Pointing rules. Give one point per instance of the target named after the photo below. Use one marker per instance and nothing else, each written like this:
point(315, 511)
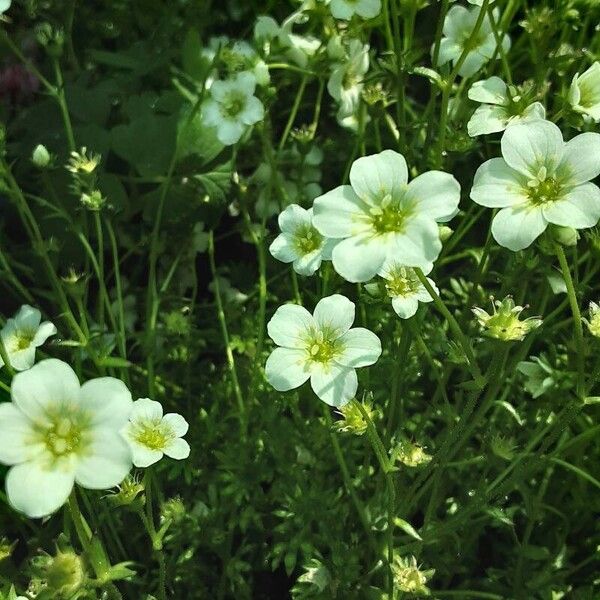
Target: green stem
point(225, 334)
point(62, 104)
point(578, 325)
point(360, 509)
point(5, 359)
point(386, 468)
point(293, 112)
point(454, 326)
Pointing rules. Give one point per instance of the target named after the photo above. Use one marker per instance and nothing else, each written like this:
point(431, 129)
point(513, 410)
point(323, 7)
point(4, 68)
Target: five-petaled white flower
point(405, 289)
point(345, 9)
point(56, 432)
point(540, 180)
point(501, 107)
point(150, 434)
point(233, 107)
point(584, 94)
point(299, 242)
point(458, 27)
point(22, 334)
point(382, 218)
point(321, 347)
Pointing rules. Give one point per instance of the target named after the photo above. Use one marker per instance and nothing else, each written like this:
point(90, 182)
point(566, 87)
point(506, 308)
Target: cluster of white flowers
point(56, 432)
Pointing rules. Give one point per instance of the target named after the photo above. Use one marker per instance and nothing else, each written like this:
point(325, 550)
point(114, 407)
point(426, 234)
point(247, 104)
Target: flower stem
point(224, 332)
point(453, 324)
point(386, 467)
point(360, 509)
point(578, 326)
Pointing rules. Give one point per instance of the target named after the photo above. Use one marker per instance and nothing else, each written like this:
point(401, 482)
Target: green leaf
point(535, 552)
point(407, 528)
point(195, 139)
point(148, 143)
point(216, 183)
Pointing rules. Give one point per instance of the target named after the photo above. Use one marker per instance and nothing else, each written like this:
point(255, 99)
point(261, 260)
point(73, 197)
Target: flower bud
point(408, 577)
point(128, 493)
point(566, 236)
point(504, 324)
point(354, 421)
point(594, 321)
point(173, 510)
point(64, 573)
point(410, 454)
point(40, 156)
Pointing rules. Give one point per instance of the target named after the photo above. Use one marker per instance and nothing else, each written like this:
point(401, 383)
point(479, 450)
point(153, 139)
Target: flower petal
point(141, 455)
point(283, 248)
point(335, 314)
point(339, 213)
point(529, 145)
point(108, 399)
point(45, 330)
point(579, 208)
point(405, 306)
point(177, 423)
point(368, 9)
point(581, 159)
point(497, 185)
point(17, 435)
point(334, 384)
point(418, 245)
point(28, 318)
point(489, 91)
point(22, 359)
point(308, 263)
point(449, 50)
point(144, 409)
point(49, 383)
point(436, 194)
point(289, 325)
point(36, 490)
point(106, 462)
point(361, 348)
point(253, 112)
point(229, 132)
point(373, 177)
point(358, 258)
point(178, 449)
point(287, 369)
point(488, 119)
point(516, 227)
point(293, 217)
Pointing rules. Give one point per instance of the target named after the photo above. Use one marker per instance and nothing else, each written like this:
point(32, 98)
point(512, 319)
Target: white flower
point(501, 107)
point(381, 218)
point(4, 5)
point(584, 94)
point(56, 432)
point(458, 26)
point(233, 107)
point(299, 242)
point(540, 180)
point(346, 82)
point(150, 434)
point(405, 289)
point(297, 48)
point(345, 9)
point(321, 347)
point(22, 335)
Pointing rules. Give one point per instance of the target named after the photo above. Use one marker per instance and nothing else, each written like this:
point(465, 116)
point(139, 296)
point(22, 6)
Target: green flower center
point(389, 216)
point(543, 192)
point(23, 340)
point(153, 435)
point(233, 104)
point(402, 282)
point(307, 239)
point(323, 347)
point(64, 436)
